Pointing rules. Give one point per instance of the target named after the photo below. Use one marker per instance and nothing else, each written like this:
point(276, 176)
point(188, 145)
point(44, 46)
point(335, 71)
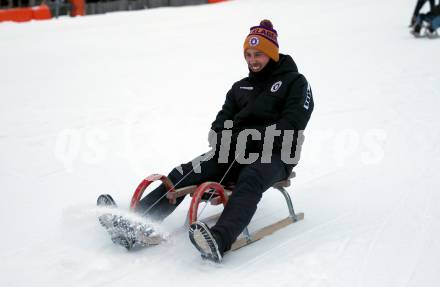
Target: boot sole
point(202, 239)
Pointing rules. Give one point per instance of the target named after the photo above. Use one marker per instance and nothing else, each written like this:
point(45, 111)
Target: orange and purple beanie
point(263, 38)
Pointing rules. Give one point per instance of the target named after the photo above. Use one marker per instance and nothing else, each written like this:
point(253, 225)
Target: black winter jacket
point(277, 95)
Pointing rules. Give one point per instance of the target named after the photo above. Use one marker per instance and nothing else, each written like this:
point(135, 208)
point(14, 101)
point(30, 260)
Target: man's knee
point(180, 173)
point(250, 181)
point(175, 175)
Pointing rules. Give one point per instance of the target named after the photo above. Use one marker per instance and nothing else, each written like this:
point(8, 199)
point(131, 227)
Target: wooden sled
point(216, 194)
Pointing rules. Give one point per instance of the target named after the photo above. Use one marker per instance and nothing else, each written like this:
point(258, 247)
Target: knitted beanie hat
point(263, 38)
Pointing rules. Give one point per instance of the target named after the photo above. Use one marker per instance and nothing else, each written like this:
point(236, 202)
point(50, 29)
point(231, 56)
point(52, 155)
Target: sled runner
point(217, 194)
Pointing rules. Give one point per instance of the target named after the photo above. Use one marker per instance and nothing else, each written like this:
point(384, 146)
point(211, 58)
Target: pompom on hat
point(263, 38)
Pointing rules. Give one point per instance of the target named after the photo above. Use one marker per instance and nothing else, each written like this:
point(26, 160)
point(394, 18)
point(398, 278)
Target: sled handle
point(145, 183)
point(197, 196)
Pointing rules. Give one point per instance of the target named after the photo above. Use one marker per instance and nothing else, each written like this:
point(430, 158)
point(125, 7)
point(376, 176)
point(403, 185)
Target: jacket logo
point(247, 88)
point(308, 97)
point(276, 86)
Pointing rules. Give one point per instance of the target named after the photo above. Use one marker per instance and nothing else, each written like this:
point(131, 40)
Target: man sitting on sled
point(272, 106)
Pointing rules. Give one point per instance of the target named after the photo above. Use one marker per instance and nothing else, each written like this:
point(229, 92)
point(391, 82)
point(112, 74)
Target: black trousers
point(251, 180)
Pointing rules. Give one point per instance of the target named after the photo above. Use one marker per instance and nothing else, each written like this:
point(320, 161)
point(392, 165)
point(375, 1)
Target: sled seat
point(279, 184)
point(229, 187)
point(212, 195)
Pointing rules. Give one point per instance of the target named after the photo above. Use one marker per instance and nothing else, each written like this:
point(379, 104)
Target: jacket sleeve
point(228, 111)
point(298, 106)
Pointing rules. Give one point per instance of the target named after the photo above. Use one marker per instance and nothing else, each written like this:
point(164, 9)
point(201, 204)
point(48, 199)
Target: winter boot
point(105, 200)
point(128, 233)
point(416, 30)
point(208, 244)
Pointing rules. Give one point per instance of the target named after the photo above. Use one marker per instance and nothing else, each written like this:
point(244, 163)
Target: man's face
point(256, 60)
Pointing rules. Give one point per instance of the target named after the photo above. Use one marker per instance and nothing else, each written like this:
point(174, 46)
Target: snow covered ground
point(92, 105)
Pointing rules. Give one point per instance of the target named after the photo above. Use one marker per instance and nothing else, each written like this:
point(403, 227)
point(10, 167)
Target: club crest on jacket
point(275, 87)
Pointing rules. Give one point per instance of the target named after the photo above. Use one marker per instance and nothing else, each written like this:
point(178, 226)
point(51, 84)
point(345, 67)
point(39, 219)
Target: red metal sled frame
point(218, 194)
